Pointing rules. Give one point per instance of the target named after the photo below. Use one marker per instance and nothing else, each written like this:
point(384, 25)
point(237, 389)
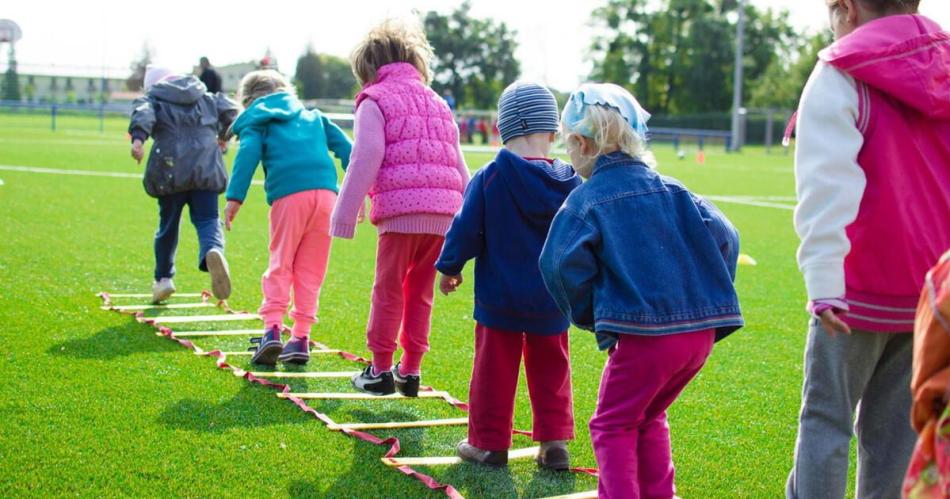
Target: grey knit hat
point(525, 108)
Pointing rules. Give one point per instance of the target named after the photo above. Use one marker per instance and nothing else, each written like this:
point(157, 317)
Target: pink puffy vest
point(419, 174)
point(902, 66)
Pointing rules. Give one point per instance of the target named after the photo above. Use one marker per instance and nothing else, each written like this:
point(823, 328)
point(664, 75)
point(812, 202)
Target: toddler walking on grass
point(300, 181)
point(505, 217)
point(408, 160)
point(188, 126)
point(648, 267)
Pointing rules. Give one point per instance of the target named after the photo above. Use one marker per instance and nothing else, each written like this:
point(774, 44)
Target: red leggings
point(495, 382)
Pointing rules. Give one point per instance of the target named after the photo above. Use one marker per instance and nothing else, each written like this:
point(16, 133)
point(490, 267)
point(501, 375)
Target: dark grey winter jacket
point(185, 122)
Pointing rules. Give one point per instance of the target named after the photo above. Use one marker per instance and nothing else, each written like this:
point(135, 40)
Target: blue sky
point(71, 37)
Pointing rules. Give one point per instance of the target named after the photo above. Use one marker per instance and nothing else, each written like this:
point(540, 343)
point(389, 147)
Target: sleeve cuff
point(824, 280)
point(817, 307)
point(343, 230)
point(139, 135)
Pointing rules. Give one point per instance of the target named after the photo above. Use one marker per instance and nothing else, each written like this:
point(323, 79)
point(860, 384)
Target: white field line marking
point(81, 173)
point(750, 202)
point(1, 181)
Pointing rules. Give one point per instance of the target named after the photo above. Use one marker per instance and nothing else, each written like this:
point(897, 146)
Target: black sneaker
point(268, 347)
point(381, 384)
point(407, 385)
point(296, 351)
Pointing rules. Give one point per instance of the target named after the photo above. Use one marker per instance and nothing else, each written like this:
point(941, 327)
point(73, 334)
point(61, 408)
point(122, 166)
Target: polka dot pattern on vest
point(419, 174)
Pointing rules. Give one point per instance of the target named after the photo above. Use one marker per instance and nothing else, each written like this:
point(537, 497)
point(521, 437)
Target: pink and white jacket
point(872, 169)
point(406, 157)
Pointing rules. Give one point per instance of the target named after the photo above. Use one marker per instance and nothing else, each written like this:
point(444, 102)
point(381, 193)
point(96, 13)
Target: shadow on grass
point(249, 408)
point(114, 342)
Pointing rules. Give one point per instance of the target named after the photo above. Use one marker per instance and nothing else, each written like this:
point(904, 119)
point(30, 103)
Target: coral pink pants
point(402, 295)
point(299, 251)
point(495, 382)
point(629, 432)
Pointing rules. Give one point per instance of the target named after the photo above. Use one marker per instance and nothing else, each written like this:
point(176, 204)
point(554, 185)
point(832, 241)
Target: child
point(648, 266)
point(516, 194)
point(184, 168)
point(408, 159)
point(873, 199)
point(929, 472)
point(300, 181)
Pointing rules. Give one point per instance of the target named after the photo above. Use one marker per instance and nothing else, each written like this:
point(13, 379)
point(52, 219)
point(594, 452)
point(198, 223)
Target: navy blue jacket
point(505, 217)
point(634, 252)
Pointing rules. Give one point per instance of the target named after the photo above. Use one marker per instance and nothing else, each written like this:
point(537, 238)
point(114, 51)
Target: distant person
point(449, 99)
point(873, 184)
point(185, 167)
point(519, 192)
point(293, 144)
point(415, 174)
point(210, 76)
point(648, 267)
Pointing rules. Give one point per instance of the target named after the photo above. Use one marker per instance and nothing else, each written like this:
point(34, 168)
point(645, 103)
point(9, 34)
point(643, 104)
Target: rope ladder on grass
point(355, 430)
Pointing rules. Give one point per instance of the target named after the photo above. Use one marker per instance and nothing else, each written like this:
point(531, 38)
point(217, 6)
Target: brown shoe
point(472, 454)
point(553, 455)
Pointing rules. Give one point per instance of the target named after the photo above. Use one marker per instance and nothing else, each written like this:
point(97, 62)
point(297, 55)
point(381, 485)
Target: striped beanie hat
point(525, 108)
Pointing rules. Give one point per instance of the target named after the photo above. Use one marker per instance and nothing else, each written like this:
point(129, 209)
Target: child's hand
point(833, 324)
point(138, 152)
point(361, 216)
point(449, 283)
point(231, 211)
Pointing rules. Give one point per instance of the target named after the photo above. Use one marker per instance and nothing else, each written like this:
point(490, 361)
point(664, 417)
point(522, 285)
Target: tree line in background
point(676, 56)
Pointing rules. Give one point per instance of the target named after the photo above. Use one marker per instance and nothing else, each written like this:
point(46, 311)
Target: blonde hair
point(257, 84)
point(392, 41)
point(611, 132)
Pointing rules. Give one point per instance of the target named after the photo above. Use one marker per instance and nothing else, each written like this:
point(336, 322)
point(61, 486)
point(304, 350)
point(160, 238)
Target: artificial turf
point(94, 404)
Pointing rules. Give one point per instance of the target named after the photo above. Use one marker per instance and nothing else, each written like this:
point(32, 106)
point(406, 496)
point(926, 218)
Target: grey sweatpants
point(873, 369)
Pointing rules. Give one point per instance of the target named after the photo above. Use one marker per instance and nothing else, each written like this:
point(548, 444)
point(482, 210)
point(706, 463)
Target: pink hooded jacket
point(901, 66)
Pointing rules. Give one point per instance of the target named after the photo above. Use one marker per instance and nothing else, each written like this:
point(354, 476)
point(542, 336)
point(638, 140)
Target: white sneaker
point(162, 289)
point(220, 275)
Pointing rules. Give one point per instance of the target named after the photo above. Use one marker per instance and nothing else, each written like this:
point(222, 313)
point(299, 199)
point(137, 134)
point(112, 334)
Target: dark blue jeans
point(203, 210)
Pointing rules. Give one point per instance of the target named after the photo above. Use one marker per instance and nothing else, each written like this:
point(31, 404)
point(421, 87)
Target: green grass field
point(94, 404)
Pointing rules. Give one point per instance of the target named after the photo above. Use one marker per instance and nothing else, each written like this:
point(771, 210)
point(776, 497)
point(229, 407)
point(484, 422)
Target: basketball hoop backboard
point(10, 32)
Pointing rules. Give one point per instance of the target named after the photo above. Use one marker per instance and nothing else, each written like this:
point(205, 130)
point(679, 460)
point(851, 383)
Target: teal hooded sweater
point(292, 142)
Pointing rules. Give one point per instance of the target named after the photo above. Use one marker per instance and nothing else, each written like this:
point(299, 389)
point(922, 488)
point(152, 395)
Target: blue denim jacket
point(634, 252)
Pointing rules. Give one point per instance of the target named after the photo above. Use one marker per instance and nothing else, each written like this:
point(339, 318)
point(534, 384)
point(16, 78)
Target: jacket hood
point(181, 90)
point(280, 106)
point(906, 57)
point(537, 187)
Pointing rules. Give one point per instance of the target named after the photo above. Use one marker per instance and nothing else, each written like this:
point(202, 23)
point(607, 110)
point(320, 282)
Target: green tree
point(136, 81)
point(782, 83)
point(677, 56)
point(339, 80)
point(309, 76)
point(474, 58)
point(11, 80)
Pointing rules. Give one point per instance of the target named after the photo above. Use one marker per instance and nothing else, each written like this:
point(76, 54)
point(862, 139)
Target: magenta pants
point(299, 252)
point(495, 382)
point(629, 431)
point(401, 307)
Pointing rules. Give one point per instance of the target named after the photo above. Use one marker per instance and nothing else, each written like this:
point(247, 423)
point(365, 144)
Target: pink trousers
point(494, 385)
point(402, 296)
point(629, 431)
point(299, 251)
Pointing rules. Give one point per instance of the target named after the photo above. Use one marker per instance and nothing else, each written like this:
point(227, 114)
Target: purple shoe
point(268, 347)
point(296, 351)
